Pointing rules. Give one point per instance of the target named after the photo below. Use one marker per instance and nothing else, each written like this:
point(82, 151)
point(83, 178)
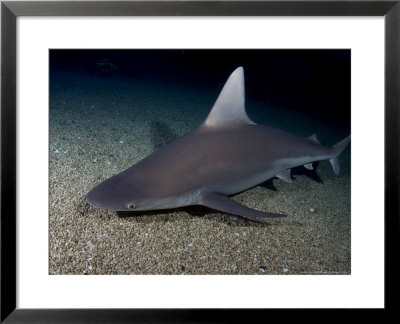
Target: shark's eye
point(132, 206)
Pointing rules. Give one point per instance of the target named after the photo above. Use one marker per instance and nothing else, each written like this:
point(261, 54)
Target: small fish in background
point(228, 153)
point(106, 65)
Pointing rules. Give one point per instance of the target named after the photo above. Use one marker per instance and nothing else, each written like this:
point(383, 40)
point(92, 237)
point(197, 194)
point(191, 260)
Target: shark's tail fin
point(337, 150)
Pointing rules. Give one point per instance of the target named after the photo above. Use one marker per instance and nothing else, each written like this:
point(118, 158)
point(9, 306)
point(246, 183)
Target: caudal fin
point(337, 150)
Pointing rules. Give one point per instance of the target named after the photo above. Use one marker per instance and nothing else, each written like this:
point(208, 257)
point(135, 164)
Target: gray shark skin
point(227, 154)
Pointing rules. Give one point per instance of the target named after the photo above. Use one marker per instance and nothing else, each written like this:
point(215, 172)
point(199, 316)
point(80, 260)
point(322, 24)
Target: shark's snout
point(113, 194)
point(100, 198)
point(93, 199)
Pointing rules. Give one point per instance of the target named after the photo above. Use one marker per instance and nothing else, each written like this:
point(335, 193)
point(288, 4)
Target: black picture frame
point(10, 10)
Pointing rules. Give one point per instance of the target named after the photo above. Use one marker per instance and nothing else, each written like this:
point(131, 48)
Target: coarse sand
point(103, 124)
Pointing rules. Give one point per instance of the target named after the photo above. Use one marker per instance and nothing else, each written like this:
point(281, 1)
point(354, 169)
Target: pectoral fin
point(227, 205)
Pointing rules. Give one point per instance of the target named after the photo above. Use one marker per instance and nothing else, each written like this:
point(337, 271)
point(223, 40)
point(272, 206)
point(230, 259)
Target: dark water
point(297, 90)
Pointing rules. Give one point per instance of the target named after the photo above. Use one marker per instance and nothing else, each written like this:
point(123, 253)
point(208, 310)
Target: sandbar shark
point(228, 153)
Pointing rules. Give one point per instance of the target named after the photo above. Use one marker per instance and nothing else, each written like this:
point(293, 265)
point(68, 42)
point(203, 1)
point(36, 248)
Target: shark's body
point(226, 154)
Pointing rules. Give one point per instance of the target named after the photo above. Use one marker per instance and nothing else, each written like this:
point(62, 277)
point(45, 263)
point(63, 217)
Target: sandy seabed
point(100, 129)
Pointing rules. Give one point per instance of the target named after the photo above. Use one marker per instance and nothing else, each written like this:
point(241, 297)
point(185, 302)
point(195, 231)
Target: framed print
point(152, 149)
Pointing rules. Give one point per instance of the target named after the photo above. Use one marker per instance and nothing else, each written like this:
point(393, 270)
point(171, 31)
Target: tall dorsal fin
point(229, 108)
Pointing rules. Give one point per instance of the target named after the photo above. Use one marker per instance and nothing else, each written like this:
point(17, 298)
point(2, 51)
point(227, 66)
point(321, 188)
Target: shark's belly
point(231, 179)
point(238, 185)
point(234, 168)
